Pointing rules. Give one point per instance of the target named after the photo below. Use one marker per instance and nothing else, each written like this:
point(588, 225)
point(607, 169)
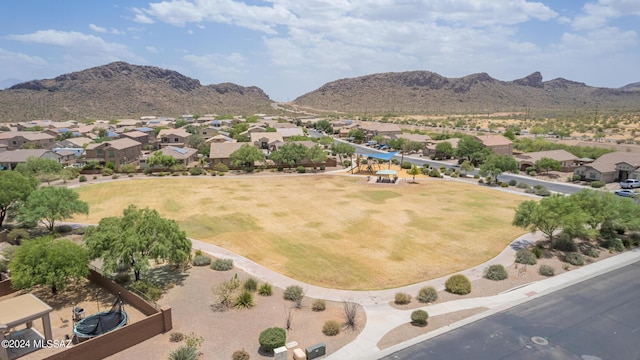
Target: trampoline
point(102, 322)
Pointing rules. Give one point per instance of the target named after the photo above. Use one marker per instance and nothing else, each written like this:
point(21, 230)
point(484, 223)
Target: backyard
point(332, 231)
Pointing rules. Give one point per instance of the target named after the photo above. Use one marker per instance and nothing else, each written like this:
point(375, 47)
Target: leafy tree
point(414, 171)
point(357, 135)
point(247, 155)
point(197, 141)
point(551, 214)
point(509, 134)
point(379, 139)
point(49, 262)
point(180, 123)
point(136, 237)
point(102, 132)
point(325, 140)
point(270, 129)
point(444, 149)
point(191, 129)
point(471, 149)
point(325, 126)
point(44, 169)
point(547, 164)
point(466, 166)
point(495, 165)
point(606, 210)
point(158, 159)
point(316, 155)
point(15, 188)
point(289, 153)
point(237, 129)
point(404, 145)
point(341, 149)
point(50, 204)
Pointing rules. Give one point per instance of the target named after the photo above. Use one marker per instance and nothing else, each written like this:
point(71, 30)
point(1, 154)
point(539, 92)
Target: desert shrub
point(4, 266)
point(225, 293)
point(240, 355)
point(196, 171)
point(513, 182)
point(94, 177)
point(201, 260)
point(331, 328)
point(575, 177)
point(106, 172)
point(592, 252)
point(250, 284)
point(455, 174)
point(244, 300)
point(293, 293)
point(419, 317)
point(542, 192)
point(82, 178)
point(481, 181)
point(522, 186)
point(504, 185)
point(122, 278)
point(597, 184)
point(406, 165)
point(346, 163)
point(18, 234)
point(496, 272)
point(532, 173)
point(184, 352)
point(434, 173)
point(272, 338)
point(427, 294)
point(537, 251)
point(318, 305)
point(564, 243)
point(402, 298)
point(613, 245)
point(222, 264)
point(63, 229)
point(574, 258)
point(176, 337)
point(198, 252)
point(220, 167)
point(634, 238)
point(146, 288)
point(395, 161)
point(458, 284)
point(301, 169)
point(525, 256)
point(115, 176)
point(127, 169)
point(546, 270)
point(265, 289)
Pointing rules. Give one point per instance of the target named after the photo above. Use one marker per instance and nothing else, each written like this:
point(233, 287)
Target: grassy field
point(332, 231)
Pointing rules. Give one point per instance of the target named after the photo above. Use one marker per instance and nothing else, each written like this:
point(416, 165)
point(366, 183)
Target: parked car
point(625, 193)
point(630, 184)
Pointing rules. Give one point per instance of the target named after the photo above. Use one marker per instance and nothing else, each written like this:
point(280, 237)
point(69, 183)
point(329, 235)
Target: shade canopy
point(386, 172)
point(381, 156)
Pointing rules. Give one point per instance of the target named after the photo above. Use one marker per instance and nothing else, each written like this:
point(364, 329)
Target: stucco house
point(21, 139)
point(220, 152)
point(567, 160)
point(499, 144)
point(10, 159)
point(119, 151)
point(173, 137)
point(615, 166)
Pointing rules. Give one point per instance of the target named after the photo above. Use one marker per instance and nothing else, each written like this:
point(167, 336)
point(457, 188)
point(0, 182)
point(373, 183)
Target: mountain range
point(120, 90)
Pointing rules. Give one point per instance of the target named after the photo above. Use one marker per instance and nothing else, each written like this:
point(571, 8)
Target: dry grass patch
point(370, 238)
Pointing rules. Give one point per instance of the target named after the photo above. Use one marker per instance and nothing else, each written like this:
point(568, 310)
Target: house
point(173, 137)
point(220, 139)
point(22, 139)
point(77, 142)
point(207, 132)
point(221, 152)
point(372, 129)
point(128, 122)
point(615, 166)
point(119, 151)
point(418, 138)
point(138, 136)
point(10, 159)
point(282, 125)
point(184, 156)
point(430, 149)
point(567, 160)
point(254, 129)
point(266, 141)
point(499, 144)
point(290, 132)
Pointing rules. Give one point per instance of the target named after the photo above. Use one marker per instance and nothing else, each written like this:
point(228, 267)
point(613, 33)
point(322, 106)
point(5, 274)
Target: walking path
point(382, 317)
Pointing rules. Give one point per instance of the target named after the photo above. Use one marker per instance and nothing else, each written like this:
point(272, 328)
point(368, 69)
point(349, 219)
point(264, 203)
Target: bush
point(576, 177)
point(220, 167)
point(196, 171)
point(240, 355)
point(184, 352)
point(614, 245)
point(522, 186)
point(176, 337)
point(106, 172)
point(597, 184)
point(82, 178)
point(265, 289)
point(18, 234)
point(564, 243)
point(542, 192)
point(250, 285)
point(293, 293)
point(513, 182)
point(537, 251)
point(301, 169)
point(427, 294)
point(532, 173)
point(272, 338)
point(525, 256)
point(406, 165)
point(147, 289)
point(402, 298)
point(63, 229)
point(318, 305)
point(331, 328)
point(94, 177)
point(127, 169)
point(115, 176)
point(574, 258)
point(458, 284)
point(222, 264)
point(592, 252)
point(346, 163)
point(419, 317)
point(434, 173)
point(546, 270)
point(496, 272)
point(244, 300)
point(201, 260)
point(504, 184)
point(122, 278)
point(481, 181)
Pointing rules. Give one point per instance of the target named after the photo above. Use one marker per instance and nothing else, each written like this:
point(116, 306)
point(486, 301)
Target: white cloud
point(7, 56)
point(141, 17)
point(152, 49)
point(598, 14)
point(103, 30)
point(219, 66)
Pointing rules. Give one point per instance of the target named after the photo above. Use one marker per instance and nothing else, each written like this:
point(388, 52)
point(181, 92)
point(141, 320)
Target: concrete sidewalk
point(382, 317)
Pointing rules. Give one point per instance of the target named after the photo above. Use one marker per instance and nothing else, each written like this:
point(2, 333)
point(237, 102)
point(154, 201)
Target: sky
point(291, 47)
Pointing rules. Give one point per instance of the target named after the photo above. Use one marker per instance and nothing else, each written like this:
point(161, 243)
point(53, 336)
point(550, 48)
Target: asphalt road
point(595, 319)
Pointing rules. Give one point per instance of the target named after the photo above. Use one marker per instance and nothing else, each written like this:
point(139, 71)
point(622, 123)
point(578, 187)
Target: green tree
point(509, 134)
point(246, 155)
point(548, 164)
point(46, 170)
point(494, 165)
point(324, 126)
point(289, 153)
point(135, 238)
point(316, 155)
point(48, 262)
point(50, 204)
point(444, 150)
point(160, 160)
point(357, 135)
point(550, 215)
point(471, 149)
point(325, 140)
point(404, 145)
point(15, 188)
point(343, 149)
point(414, 171)
point(180, 123)
point(466, 166)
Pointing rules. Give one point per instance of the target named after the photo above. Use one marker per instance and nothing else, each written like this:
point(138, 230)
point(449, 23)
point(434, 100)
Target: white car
point(630, 184)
